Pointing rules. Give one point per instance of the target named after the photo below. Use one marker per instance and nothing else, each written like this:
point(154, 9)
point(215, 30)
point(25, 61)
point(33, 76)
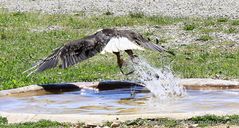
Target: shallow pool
point(120, 101)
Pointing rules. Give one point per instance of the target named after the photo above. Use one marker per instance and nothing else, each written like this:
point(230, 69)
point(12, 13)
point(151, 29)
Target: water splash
point(161, 82)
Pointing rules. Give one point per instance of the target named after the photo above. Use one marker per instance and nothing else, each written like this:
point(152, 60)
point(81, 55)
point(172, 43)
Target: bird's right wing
point(141, 41)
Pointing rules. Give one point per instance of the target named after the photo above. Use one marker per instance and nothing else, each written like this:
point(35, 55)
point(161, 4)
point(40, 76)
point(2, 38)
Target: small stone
point(115, 124)
point(193, 126)
point(90, 126)
point(156, 126)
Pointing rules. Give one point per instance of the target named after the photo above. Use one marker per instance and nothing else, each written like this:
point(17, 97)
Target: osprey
point(103, 41)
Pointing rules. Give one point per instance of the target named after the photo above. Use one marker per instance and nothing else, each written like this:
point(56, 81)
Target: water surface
point(120, 101)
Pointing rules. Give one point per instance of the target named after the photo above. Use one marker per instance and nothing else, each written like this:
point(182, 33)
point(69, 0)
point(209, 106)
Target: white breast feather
point(120, 44)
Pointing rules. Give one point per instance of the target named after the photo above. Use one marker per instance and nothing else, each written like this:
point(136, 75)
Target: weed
point(204, 37)
point(222, 19)
point(136, 15)
point(231, 30)
point(108, 13)
point(3, 120)
point(189, 27)
point(235, 22)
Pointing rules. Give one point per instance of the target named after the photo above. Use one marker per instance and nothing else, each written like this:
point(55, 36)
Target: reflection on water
point(120, 102)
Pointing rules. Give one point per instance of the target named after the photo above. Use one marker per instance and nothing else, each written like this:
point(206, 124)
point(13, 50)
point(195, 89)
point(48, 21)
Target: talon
point(131, 72)
point(126, 73)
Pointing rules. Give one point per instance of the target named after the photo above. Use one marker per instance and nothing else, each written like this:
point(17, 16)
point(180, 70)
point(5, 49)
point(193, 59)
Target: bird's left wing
point(72, 53)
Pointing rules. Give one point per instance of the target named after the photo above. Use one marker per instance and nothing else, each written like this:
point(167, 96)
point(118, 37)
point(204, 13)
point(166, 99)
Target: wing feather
point(72, 53)
point(141, 41)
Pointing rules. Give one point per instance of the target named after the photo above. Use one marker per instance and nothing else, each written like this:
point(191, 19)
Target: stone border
point(100, 119)
point(200, 83)
point(193, 83)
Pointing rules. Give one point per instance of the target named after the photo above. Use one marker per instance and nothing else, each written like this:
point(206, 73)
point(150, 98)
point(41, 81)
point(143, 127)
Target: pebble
point(115, 124)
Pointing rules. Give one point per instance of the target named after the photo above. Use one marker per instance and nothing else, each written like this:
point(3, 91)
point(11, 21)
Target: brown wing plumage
point(72, 53)
point(141, 41)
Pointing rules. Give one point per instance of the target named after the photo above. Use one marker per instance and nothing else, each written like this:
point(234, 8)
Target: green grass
point(200, 121)
point(207, 62)
point(231, 30)
point(108, 13)
point(210, 120)
point(222, 19)
point(189, 27)
point(39, 124)
point(3, 120)
point(235, 22)
point(136, 15)
point(20, 47)
point(205, 37)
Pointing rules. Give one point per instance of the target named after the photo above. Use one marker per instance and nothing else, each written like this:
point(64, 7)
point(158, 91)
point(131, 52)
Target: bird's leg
point(134, 58)
point(119, 61)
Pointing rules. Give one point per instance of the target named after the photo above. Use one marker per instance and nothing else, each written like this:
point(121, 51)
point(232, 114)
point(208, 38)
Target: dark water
point(120, 101)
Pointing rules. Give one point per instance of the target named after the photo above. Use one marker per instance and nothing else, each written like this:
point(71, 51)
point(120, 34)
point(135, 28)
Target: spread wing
point(106, 40)
point(141, 41)
point(72, 53)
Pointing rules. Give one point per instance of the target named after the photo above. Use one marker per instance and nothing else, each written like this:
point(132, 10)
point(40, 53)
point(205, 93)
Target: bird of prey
point(103, 41)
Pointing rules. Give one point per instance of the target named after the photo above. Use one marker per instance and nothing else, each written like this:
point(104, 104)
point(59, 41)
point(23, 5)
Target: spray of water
point(161, 82)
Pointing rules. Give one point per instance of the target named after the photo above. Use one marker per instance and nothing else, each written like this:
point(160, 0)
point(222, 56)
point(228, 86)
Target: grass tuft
point(189, 27)
point(231, 30)
point(235, 22)
point(136, 15)
point(108, 13)
point(3, 120)
point(204, 37)
point(222, 19)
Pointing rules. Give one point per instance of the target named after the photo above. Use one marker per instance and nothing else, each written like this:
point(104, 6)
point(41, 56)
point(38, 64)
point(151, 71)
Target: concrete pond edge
point(192, 83)
point(100, 119)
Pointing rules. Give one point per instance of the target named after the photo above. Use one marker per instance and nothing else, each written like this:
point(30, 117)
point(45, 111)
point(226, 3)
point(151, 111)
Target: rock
point(193, 126)
point(115, 124)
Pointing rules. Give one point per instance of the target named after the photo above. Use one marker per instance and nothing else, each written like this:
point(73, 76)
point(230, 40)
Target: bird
point(107, 40)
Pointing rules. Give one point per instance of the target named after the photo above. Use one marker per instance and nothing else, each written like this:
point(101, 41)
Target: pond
point(136, 100)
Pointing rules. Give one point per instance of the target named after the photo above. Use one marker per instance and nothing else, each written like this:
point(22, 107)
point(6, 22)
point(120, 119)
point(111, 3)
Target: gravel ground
point(174, 34)
point(175, 8)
